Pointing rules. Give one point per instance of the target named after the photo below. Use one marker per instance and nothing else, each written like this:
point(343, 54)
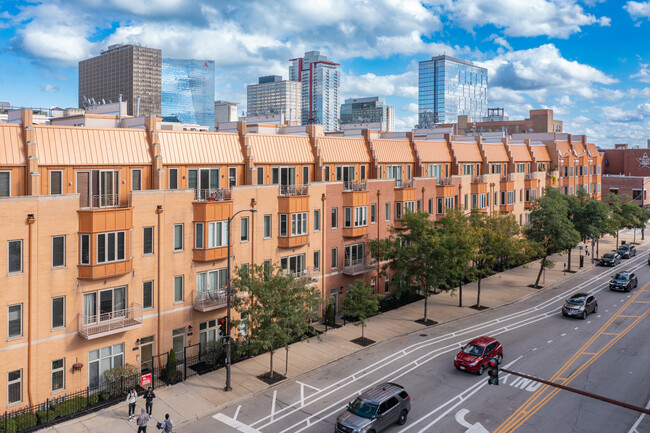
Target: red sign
point(145, 379)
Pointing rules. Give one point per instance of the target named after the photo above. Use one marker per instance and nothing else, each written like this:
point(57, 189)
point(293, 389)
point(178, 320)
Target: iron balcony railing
point(109, 323)
point(101, 201)
point(355, 185)
point(399, 183)
point(359, 266)
point(213, 194)
point(290, 190)
point(209, 299)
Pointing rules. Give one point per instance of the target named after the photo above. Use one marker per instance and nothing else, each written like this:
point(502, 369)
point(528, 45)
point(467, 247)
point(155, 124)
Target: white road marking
point(534, 349)
point(549, 341)
point(576, 328)
point(308, 386)
point(473, 428)
point(606, 311)
point(638, 421)
point(597, 316)
point(562, 335)
point(237, 412)
point(234, 423)
point(275, 394)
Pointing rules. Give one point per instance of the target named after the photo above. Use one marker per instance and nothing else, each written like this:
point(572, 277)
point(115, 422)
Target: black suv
point(623, 282)
point(375, 410)
point(579, 305)
point(610, 259)
point(626, 251)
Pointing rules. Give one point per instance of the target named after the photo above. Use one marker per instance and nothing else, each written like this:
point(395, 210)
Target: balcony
point(354, 185)
point(355, 232)
point(209, 300)
point(104, 270)
point(104, 201)
point(91, 327)
point(528, 204)
point(292, 241)
point(507, 208)
point(479, 186)
point(209, 254)
point(293, 190)
point(293, 198)
point(359, 266)
point(105, 213)
point(399, 183)
point(217, 206)
point(215, 194)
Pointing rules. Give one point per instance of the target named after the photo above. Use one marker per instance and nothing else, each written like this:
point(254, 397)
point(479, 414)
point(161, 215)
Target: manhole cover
point(423, 335)
point(627, 352)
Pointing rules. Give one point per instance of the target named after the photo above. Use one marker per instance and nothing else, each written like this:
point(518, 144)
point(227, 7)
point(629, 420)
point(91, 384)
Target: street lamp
point(228, 387)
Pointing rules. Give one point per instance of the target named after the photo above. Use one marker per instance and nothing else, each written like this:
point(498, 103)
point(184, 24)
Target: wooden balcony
point(355, 232)
point(212, 210)
point(292, 241)
point(359, 266)
point(104, 270)
point(506, 207)
point(479, 187)
point(293, 199)
point(445, 191)
point(101, 325)
point(209, 300)
point(528, 204)
point(356, 198)
point(404, 190)
point(105, 213)
point(209, 254)
point(507, 185)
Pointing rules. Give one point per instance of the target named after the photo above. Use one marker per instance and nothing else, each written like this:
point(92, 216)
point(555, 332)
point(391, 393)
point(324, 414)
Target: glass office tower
point(187, 91)
point(450, 87)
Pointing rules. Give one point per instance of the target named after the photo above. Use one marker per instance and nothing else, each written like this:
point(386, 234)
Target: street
point(606, 354)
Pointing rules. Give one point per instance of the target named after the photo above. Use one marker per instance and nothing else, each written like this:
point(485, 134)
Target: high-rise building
point(130, 70)
point(320, 80)
point(187, 91)
point(371, 110)
point(450, 87)
point(224, 112)
point(272, 95)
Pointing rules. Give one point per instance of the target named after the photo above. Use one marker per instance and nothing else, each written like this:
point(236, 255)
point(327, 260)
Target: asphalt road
point(606, 354)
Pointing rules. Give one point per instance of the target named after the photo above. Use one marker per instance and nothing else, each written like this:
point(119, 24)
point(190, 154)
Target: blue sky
point(587, 60)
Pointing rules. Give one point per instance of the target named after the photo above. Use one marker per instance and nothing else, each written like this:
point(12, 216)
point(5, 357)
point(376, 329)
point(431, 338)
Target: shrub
point(117, 374)
point(42, 416)
point(170, 369)
point(93, 399)
point(20, 422)
point(105, 396)
point(212, 352)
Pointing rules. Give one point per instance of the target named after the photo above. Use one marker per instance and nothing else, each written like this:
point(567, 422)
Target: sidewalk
point(203, 395)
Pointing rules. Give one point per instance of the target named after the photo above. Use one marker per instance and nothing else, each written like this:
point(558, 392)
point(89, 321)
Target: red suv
point(475, 356)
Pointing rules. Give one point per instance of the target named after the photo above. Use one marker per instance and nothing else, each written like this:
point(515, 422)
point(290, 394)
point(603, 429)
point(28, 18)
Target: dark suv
point(579, 305)
point(626, 251)
point(623, 282)
point(375, 410)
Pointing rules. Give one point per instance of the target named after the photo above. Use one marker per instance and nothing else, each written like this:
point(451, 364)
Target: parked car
point(375, 410)
point(626, 251)
point(610, 259)
point(476, 354)
point(580, 305)
point(624, 281)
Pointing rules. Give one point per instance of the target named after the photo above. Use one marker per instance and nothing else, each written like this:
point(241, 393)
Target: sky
point(588, 60)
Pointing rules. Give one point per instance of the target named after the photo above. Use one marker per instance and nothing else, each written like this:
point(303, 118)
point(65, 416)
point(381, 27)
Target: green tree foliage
point(170, 370)
point(278, 307)
point(360, 303)
point(550, 226)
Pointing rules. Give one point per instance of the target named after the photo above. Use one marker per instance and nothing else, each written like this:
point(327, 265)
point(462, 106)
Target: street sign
point(145, 379)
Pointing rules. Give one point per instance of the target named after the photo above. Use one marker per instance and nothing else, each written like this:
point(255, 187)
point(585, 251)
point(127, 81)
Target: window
point(327, 173)
point(15, 261)
point(335, 258)
point(440, 208)
point(15, 386)
point(15, 321)
point(305, 175)
point(316, 220)
point(136, 179)
point(378, 171)
point(419, 205)
point(211, 281)
point(58, 376)
point(147, 294)
point(387, 283)
point(232, 176)
point(260, 175)
point(178, 237)
point(363, 172)
point(208, 331)
point(111, 247)
point(373, 214)
point(147, 240)
point(521, 167)
point(409, 206)
point(283, 224)
point(408, 171)
point(637, 194)
point(58, 251)
point(5, 184)
point(434, 171)
point(294, 264)
point(299, 224)
point(398, 210)
point(361, 216)
point(316, 266)
point(85, 250)
point(56, 179)
point(347, 217)
point(474, 201)
point(482, 201)
point(387, 211)
point(178, 288)
point(267, 227)
point(58, 312)
point(335, 218)
point(571, 171)
point(244, 229)
point(100, 360)
point(173, 178)
point(198, 235)
point(496, 168)
point(468, 169)
point(373, 284)
point(354, 254)
point(217, 234)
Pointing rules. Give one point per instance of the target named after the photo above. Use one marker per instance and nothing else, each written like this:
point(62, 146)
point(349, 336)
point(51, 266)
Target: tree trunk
point(478, 294)
point(541, 269)
point(634, 241)
point(426, 299)
point(568, 266)
point(460, 295)
point(363, 337)
point(271, 373)
point(616, 239)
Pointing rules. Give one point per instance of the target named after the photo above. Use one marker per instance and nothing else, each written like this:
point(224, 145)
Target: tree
point(360, 303)
point(277, 307)
point(550, 227)
point(620, 213)
point(591, 217)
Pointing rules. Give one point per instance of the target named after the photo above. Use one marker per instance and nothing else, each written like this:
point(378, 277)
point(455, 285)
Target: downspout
point(322, 256)
point(30, 221)
point(251, 230)
point(378, 222)
point(159, 211)
point(119, 110)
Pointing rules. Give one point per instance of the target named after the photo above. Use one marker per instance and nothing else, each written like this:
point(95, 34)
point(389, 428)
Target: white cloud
point(552, 18)
point(643, 75)
point(411, 107)
point(638, 10)
point(48, 88)
point(616, 114)
point(403, 85)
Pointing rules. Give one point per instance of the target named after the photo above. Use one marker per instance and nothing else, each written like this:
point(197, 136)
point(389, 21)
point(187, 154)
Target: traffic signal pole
point(578, 391)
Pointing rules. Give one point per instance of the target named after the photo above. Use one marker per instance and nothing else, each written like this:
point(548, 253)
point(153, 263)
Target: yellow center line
point(531, 406)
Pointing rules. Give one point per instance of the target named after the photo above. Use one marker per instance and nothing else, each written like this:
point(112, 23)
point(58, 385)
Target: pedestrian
point(587, 250)
point(142, 421)
point(166, 425)
point(148, 397)
point(131, 399)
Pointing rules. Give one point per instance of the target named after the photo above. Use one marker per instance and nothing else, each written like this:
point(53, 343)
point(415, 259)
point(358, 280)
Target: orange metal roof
point(69, 145)
point(11, 145)
point(339, 149)
point(466, 151)
point(190, 147)
point(541, 153)
point(520, 153)
point(388, 151)
point(496, 152)
point(593, 150)
point(281, 149)
point(433, 151)
point(563, 147)
point(579, 148)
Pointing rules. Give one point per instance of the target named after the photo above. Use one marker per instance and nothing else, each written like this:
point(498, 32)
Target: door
point(83, 188)
point(90, 308)
point(146, 354)
point(178, 343)
point(287, 176)
point(389, 412)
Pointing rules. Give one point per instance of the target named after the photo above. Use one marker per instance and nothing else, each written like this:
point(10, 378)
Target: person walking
point(587, 249)
point(142, 421)
point(131, 399)
point(148, 397)
point(166, 425)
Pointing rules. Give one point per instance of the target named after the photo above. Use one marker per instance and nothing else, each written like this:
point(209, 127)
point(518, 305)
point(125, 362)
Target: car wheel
point(584, 315)
point(500, 358)
point(480, 371)
point(402, 417)
point(596, 308)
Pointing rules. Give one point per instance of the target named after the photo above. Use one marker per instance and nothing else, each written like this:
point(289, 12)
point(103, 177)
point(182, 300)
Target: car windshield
point(621, 276)
point(609, 256)
point(362, 408)
point(623, 247)
point(473, 350)
point(576, 301)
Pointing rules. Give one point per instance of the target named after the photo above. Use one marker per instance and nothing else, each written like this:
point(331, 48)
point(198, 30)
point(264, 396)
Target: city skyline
point(583, 59)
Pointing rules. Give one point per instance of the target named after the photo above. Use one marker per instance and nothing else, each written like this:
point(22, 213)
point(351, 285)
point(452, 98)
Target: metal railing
point(212, 194)
point(108, 323)
point(101, 201)
point(357, 266)
point(209, 298)
point(399, 183)
point(294, 190)
point(355, 185)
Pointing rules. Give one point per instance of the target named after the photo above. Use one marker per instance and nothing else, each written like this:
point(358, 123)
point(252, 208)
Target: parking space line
point(235, 424)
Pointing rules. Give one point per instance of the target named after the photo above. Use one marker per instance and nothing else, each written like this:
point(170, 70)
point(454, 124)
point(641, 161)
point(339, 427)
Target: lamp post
point(228, 387)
